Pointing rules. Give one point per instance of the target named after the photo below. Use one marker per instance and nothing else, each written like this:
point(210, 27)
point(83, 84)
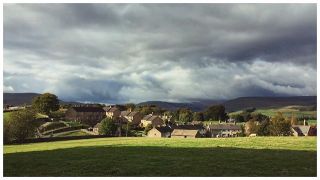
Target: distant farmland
point(258, 156)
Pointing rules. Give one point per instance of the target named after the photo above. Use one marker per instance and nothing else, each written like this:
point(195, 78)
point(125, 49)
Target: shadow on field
point(160, 161)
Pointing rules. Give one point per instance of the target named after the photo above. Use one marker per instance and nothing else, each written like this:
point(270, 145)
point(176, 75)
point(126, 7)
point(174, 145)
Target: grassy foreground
point(257, 156)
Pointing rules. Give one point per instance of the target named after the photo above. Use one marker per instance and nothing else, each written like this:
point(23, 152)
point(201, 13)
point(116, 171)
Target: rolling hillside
point(17, 99)
point(269, 102)
point(240, 103)
point(194, 106)
point(197, 105)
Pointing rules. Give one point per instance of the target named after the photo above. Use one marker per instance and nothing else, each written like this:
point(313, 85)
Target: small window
point(185, 136)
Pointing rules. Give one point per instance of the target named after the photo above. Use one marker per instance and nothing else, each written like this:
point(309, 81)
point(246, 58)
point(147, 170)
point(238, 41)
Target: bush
point(22, 124)
point(57, 114)
point(107, 127)
point(6, 131)
point(280, 126)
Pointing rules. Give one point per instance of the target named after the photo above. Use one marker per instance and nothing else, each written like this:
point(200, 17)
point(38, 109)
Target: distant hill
point(171, 105)
point(240, 103)
point(16, 99)
point(198, 105)
point(268, 102)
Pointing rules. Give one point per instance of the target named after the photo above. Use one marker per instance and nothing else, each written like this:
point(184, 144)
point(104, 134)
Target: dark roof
point(125, 113)
point(133, 113)
point(147, 117)
point(110, 109)
point(128, 113)
point(225, 127)
point(150, 117)
point(88, 109)
point(164, 129)
point(301, 130)
point(189, 127)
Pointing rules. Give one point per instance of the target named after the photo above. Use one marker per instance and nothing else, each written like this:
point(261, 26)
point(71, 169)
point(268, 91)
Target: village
point(164, 126)
point(50, 120)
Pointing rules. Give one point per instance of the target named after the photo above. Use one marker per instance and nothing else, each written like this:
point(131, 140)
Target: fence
point(36, 140)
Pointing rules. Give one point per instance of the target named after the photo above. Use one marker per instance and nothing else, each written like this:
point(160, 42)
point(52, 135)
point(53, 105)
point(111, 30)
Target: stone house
point(185, 133)
point(112, 112)
point(198, 127)
point(302, 130)
point(88, 115)
point(133, 117)
point(95, 129)
point(224, 130)
point(159, 132)
point(151, 119)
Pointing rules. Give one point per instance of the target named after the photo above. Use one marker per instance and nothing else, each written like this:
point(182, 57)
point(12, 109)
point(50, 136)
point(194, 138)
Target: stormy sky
point(116, 53)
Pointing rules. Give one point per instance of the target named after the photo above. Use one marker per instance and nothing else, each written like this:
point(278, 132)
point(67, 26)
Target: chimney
point(110, 106)
point(151, 113)
point(219, 121)
point(130, 109)
point(304, 122)
point(235, 122)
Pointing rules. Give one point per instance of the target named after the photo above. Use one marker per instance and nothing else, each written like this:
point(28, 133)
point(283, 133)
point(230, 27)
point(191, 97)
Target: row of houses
point(196, 131)
point(92, 115)
point(216, 131)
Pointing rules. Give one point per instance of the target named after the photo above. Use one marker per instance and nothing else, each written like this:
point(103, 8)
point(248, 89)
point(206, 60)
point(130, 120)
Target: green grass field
point(257, 156)
point(6, 115)
point(286, 112)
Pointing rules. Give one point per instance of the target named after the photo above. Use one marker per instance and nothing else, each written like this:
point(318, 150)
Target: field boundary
point(51, 139)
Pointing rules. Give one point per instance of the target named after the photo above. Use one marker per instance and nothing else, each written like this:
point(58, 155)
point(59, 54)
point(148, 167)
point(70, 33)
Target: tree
point(185, 115)
point(264, 128)
point(130, 106)
point(107, 127)
point(246, 116)
point(250, 110)
point(258, 117)
point(293, 120)
point(251, 127)
point(6, 131)
point(216, 112)
point(22, 124)
point(198, 116)
point(45, 103)
point(280, 126)
point(238, 118)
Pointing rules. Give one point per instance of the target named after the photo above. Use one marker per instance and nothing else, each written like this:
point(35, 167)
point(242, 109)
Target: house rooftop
point(225, 127)
point(164, 129)
point(128, 113)
point(301, 129)
point(110, 109)
point(188, 127)
point(184, 132)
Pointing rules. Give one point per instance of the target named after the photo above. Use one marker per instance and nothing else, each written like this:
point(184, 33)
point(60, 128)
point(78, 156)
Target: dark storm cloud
point(134, 52)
